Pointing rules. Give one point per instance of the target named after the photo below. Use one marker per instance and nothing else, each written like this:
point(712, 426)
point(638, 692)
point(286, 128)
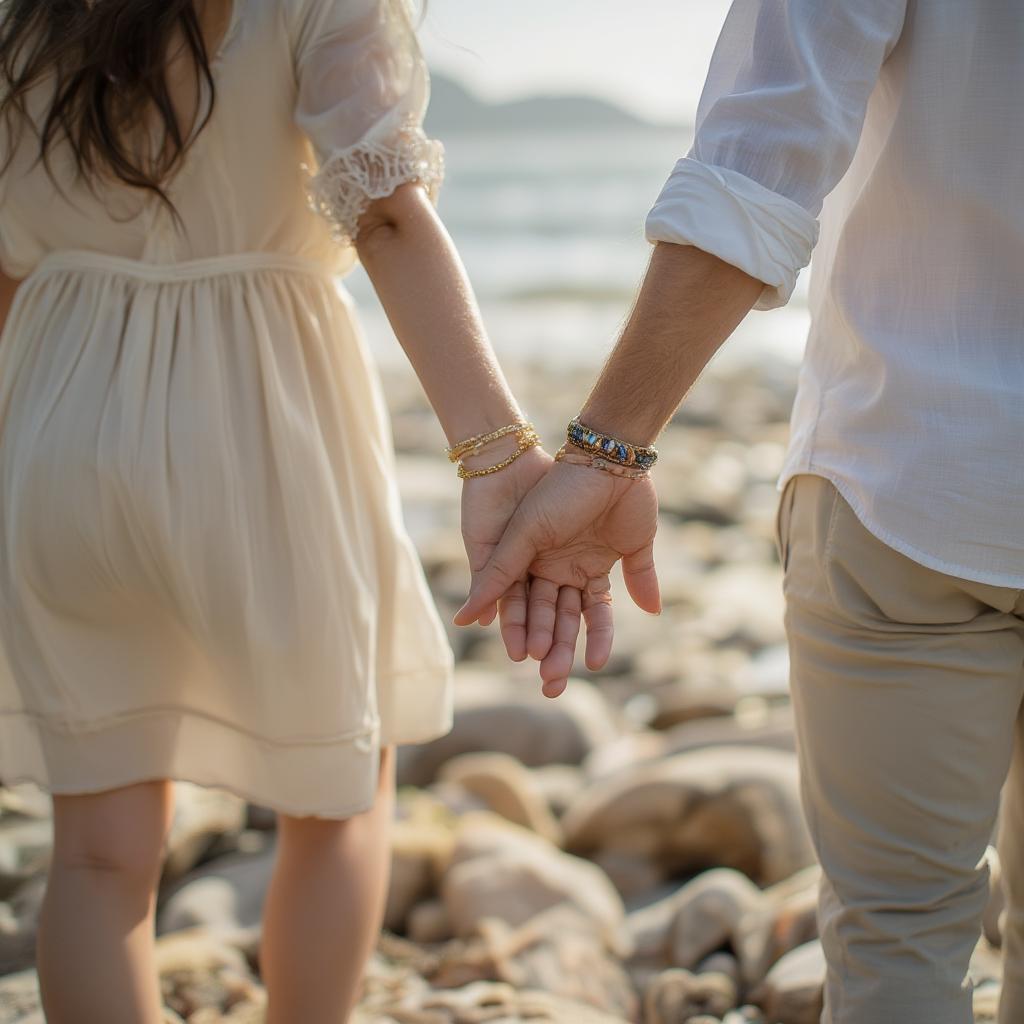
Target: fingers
point(543, 603)
point(642, 580)
point(512, 613)
point(597, 613)
point(556, 666)
point(506, 567)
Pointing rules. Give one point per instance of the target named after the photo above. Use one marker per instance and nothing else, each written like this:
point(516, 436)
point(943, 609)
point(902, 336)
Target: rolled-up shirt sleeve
point(777, 126)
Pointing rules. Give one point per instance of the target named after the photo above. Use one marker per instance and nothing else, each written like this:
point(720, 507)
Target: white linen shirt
point(909, 117)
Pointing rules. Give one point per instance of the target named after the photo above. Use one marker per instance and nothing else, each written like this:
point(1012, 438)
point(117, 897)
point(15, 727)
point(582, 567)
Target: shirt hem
point(898, 544)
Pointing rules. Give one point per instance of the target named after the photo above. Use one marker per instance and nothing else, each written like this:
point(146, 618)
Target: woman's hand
point(488, 503)
point(567, 533)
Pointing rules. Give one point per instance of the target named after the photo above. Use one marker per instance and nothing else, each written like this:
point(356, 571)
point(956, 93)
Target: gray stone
point(733, 807)
point(697, 919)
point(507, 788)
point(19, 922)
point(792, 990)
point(493, 715)
point(223, 895)
point(25, 847)
point(19, 998)
point(677, 995)
point(500, 871)
point(202, 817)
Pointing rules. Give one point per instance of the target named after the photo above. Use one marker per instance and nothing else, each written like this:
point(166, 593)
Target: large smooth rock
point(557, 951)
point(560, 784)
point(223, 895)
point(25, 847)
point(785, 918)
point(735, 807)
point(203, 818)
point(677, 995)
point(507, 788)
point(678, 704)
point(486, 1001)
point(699, 918)
point(634, 875)
point(492, 714)
point(706, 920)
point(19, 998)
point(19, 922)
point(793, 989)
point(429, 922)
point(419, 854)
point(994, 909)
point(624, 753)
point(773, 728)
point(199, 973)
point(490, 977)
point(500, 871)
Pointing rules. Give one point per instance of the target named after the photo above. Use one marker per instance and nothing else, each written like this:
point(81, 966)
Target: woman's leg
point(324, 909)
point(95, 944)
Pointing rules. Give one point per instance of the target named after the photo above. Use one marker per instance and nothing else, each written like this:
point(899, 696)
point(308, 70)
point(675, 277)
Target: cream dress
point(203, 569)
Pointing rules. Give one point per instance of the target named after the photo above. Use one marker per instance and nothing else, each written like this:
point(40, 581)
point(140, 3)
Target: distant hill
point(454, 109)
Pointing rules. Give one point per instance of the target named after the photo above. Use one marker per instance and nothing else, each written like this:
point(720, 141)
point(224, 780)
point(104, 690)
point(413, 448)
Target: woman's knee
point(119, 832)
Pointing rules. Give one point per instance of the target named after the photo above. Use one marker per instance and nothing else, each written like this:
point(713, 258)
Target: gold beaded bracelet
point(581, 458)
point(473, 444)
point(526, 437)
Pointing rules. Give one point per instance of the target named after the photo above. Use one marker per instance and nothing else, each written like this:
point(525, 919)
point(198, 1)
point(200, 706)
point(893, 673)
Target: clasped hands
point(542, 538)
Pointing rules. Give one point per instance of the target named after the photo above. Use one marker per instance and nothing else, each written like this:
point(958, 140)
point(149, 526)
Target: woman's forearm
point(424, 290)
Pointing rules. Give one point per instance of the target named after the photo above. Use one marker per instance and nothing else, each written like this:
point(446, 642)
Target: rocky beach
point(633, 851)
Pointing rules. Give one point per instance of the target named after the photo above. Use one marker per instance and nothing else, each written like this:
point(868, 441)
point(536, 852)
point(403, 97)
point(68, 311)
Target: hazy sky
point(648, 55)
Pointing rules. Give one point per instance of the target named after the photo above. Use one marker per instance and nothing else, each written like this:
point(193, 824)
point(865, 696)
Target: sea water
point(550, 226)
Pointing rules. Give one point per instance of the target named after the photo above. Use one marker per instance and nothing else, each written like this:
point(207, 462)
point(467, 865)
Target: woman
point(203, 572)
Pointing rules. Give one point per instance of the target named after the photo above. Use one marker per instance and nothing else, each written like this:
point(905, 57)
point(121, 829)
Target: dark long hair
point(106, 62)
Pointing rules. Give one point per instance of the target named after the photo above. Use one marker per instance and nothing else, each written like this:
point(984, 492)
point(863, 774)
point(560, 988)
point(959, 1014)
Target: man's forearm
point(689, 303)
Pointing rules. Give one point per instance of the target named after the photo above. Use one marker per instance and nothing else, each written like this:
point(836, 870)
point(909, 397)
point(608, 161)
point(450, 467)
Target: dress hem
point(328, 780)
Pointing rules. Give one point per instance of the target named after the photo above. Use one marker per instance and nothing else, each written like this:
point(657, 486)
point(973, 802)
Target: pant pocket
point(783, 515)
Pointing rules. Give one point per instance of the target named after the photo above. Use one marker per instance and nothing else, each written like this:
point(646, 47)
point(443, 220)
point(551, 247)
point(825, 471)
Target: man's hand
point(567, 534)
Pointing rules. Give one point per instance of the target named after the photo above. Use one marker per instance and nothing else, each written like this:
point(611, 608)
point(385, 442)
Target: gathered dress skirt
point(203, 569)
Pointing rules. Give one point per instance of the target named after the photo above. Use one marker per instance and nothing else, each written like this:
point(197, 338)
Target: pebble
point(204, 819)
point(792, 990)
point(492, 715)
point(500, 871)
point(678, 995)
point(735, 807)
point(507, 788)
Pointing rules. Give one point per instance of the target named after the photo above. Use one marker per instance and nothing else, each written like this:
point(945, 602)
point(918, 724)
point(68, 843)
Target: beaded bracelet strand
point(599, 462)
point(526, 438)
point(611, 448)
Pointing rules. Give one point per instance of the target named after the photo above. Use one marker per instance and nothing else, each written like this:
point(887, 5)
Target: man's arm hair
point(689, 303)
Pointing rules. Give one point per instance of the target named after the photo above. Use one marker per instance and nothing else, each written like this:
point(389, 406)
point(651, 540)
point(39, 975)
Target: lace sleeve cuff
point(349, 181)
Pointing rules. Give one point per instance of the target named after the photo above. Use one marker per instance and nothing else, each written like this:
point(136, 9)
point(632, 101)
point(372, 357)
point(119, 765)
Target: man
point(901, 525)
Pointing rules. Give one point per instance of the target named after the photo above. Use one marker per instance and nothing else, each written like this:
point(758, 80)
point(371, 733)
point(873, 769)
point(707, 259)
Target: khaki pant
point(907, 686)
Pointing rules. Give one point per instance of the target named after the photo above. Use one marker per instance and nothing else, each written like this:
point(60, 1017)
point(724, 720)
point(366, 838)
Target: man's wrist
point(625, 427)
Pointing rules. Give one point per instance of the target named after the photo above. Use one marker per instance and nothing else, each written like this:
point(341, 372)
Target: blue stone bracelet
point(611, 448)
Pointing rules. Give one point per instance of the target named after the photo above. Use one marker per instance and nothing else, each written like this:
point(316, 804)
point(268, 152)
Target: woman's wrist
point(496, 451)
point(476, 422)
